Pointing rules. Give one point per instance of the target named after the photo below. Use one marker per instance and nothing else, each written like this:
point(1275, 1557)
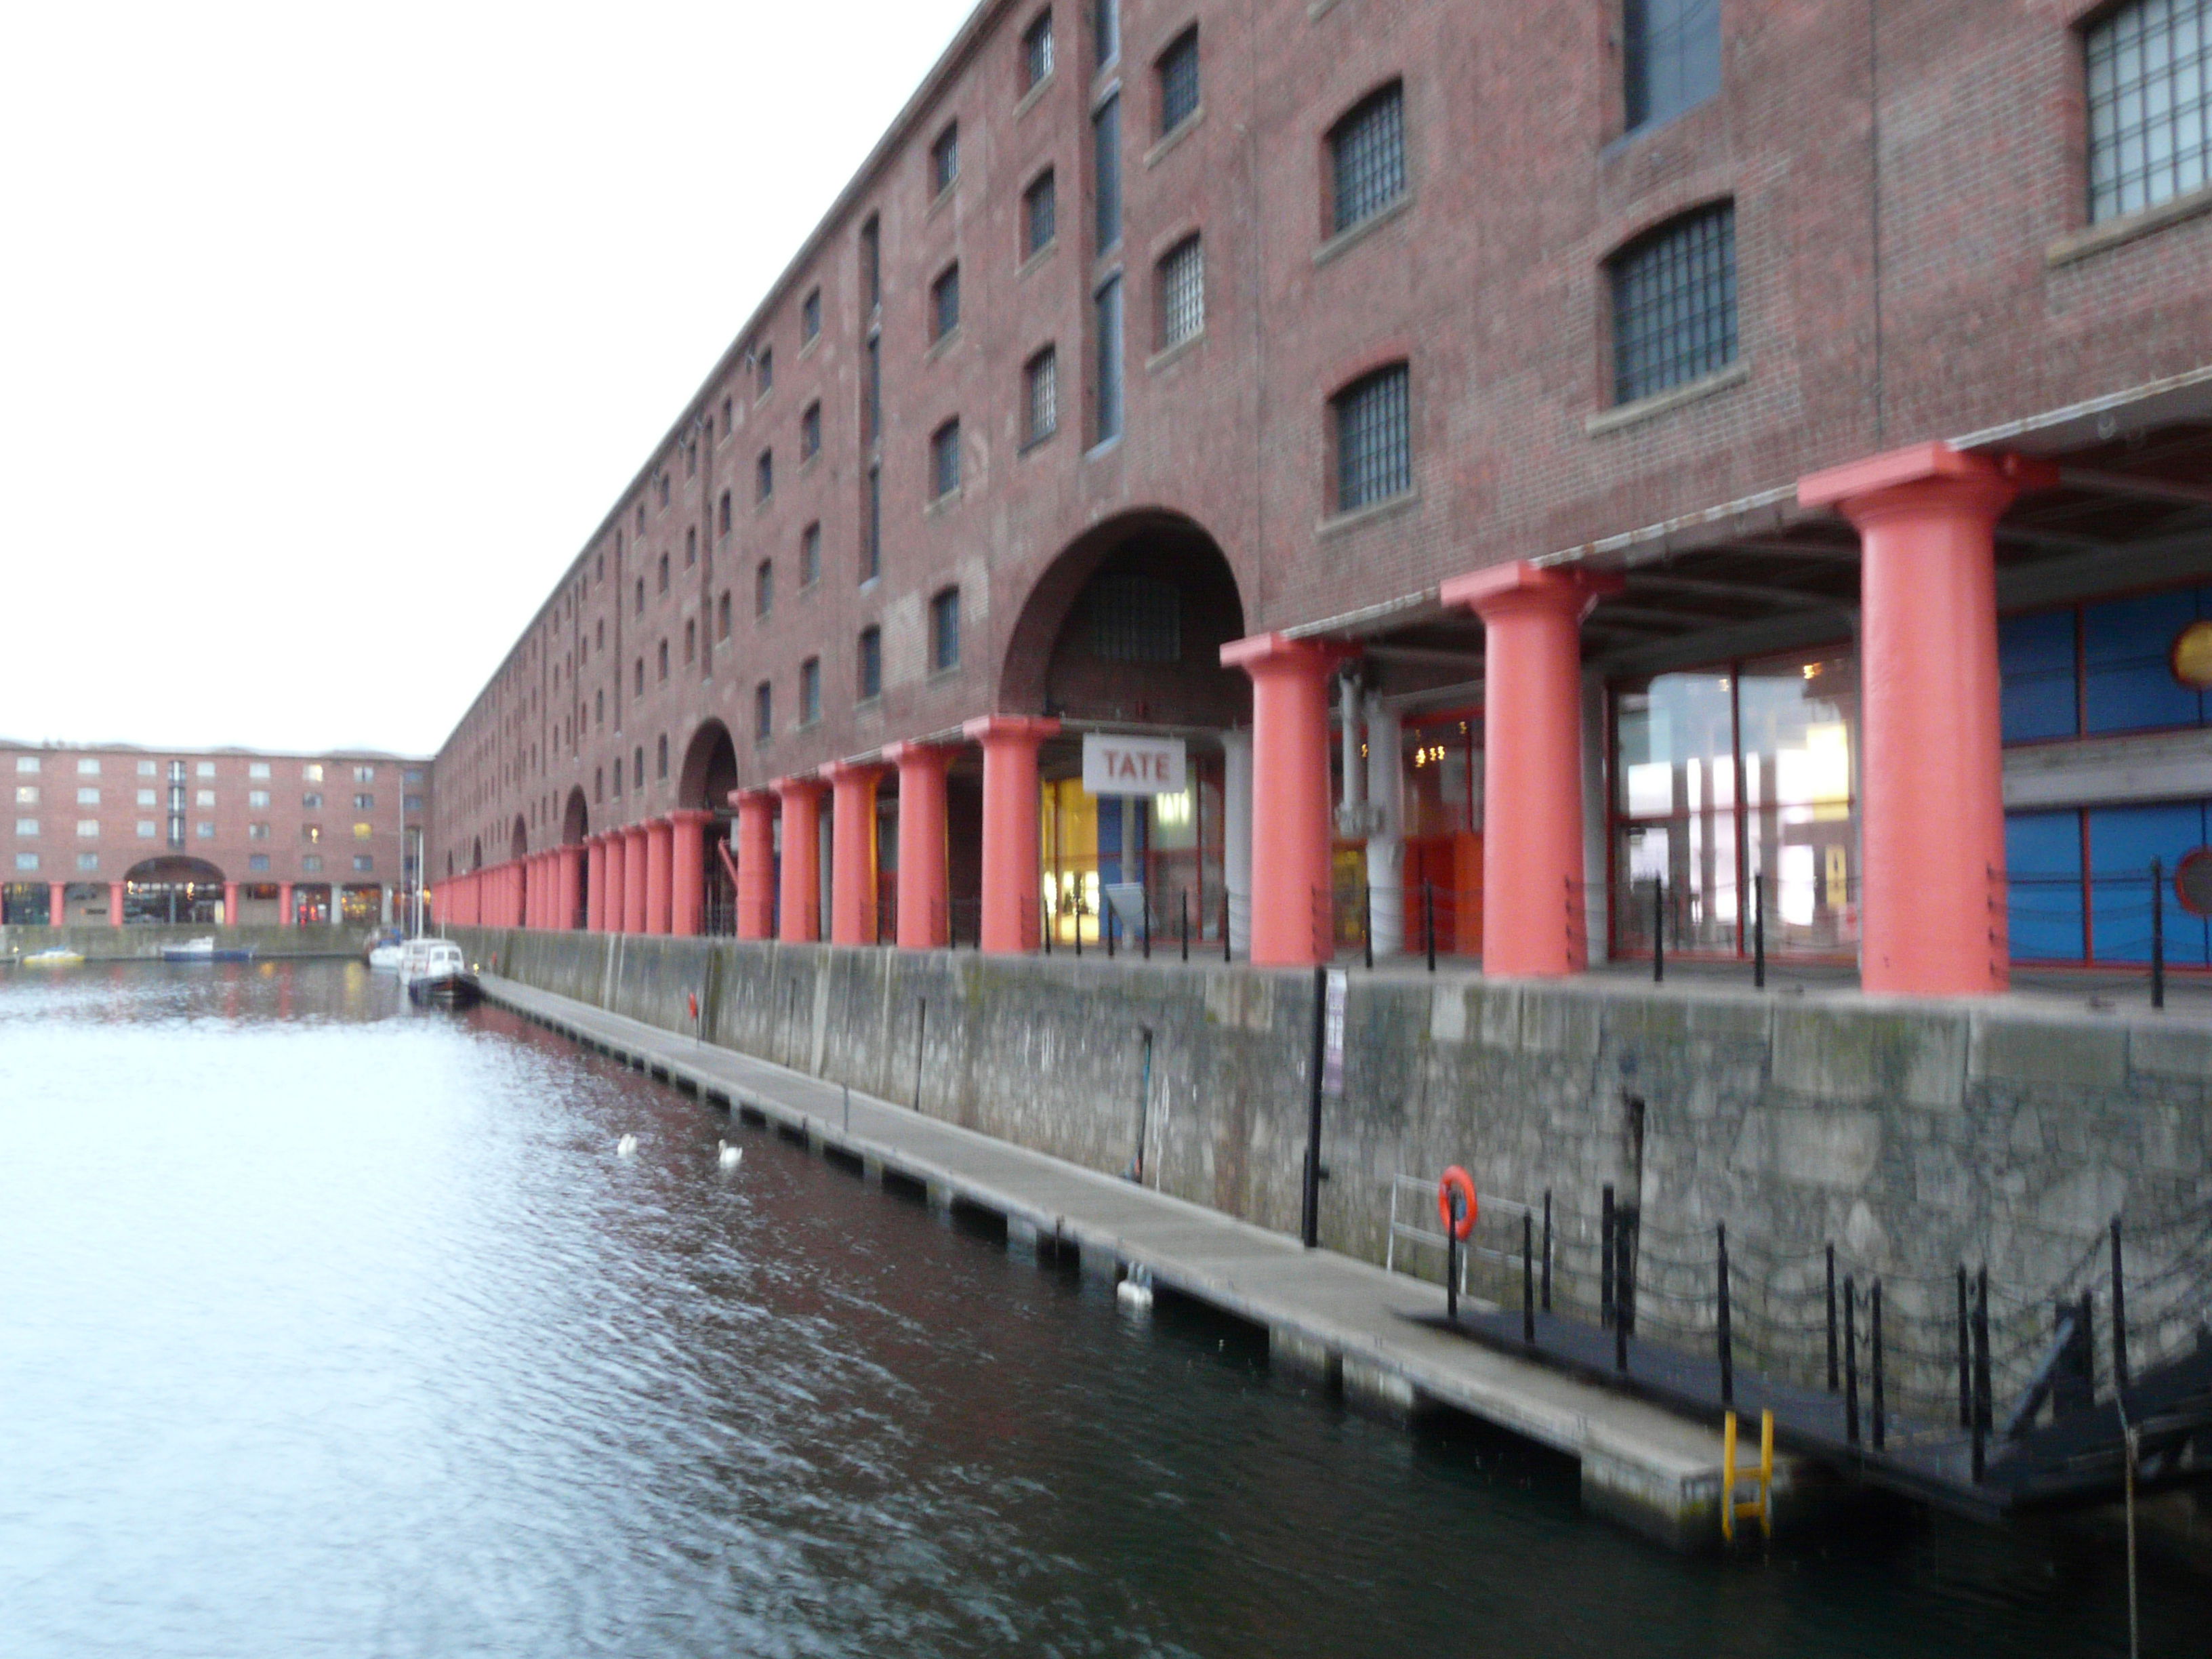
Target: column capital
point(1909, 475)
point(1011, 728)
point(911, 754)
point(798, 785)
point(631, 830)
point(684, 815)
point(848, 771)
point(1258, 654)
point(754, 798)
point(1521, 585)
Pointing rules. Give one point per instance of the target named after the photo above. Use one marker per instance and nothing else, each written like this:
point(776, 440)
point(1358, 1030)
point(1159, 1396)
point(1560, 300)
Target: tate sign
point(1132, 766)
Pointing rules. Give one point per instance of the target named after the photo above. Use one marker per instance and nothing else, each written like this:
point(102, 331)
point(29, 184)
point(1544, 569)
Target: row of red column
point(647, 879)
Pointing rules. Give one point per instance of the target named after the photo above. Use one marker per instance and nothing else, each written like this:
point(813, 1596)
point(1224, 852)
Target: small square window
point(91, 797)
point(205, 769)
point(27, 826)
point(1041, 383)
point(311, 833)
point(26, 861)
point(27, 763)
point(256, 832)
point(1178, 72)
point(1039, 212)
point(27, 794)
point(364, 862)
point(204, 831)
point(203, 797)
point(146, 830)
point(1374, 442)
point(363, 831)
point(89, 829)
point(945, 459)
point(945, 303)
point(1036, 51)
point(253, 798)
point(810, 314)
point(147, 797)
point(945, 160)
point(364, 803)
point(311, 864)
point(312, 802)
point(90, 769)
point(311, 774)
point(257, 769)
point(257, 863)
point(88, 861)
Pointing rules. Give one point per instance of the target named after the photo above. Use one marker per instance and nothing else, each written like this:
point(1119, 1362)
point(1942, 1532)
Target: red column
point(1291, 880)
point(658, 848)
point(634, 857)
point(58, 903)
point(571, 859)
point(1013, 856)
point(1931, 795)
point(526, 874)
point(688, 871)
point(617, 902)
point(283, 904)
point(595, 883)
point(544, 898)
point(115, 903)
point(853, 853)
point(924, 918)
point(756, 862)
point(1534, 906)
point(800, 918)
point(229, 904)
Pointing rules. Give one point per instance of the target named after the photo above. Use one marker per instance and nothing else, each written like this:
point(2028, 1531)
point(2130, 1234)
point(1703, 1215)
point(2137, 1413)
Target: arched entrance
point(173, 890)
point(1124, 634)
point(709, 772)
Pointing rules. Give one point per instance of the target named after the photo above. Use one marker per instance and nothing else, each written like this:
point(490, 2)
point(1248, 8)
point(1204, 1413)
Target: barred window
point(764, 476)
point(810, 692)
point(1374, 439)
point(1673, 303)
point(764, 588)
point(871, 526)
point(1136, 619)
point(809, 555)
point(1039, 211)
point(2150, 105)
point(1108, 324)
point(1106, 160)
point(945, 160)
point(1036, 51)
point(871, 676)
point(763, 721)
point(1367, 150)
point(1183, 292)
point(945, 303)
point(1178, 72)
point(810, 432)
point(1670, 56)
point(944, 630)
point(945, 459)
point(1042, 384)
point(809, 315)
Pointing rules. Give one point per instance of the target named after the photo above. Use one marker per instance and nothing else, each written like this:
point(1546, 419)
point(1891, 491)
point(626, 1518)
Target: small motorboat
point(384, 948)
point(436, 975)
point(55, 956)
point(204, 949)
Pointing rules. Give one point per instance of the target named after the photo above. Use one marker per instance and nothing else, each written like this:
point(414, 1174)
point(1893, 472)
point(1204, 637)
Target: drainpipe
point(1386, 819)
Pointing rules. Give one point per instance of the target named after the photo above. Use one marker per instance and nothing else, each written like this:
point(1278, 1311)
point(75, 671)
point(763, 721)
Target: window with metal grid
point(945, 459)
point(945, 303)
point(1367, 150)
point(1374, 439)
point(2150, 105)
point(810, 432)
point(1670, 56)
point(1106, 161)
point(945, 160)
point(944, 630)
point(1036, 51)
point(1673, 304)
point(1041, 380)
point(1183, 292)
point(871, 676)
point(1039, 212)
point(1108, 327)
point(1178, 71)
point(1136, 619)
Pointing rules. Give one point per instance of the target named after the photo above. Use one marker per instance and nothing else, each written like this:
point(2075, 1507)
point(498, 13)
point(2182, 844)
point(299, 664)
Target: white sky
point(328, 334)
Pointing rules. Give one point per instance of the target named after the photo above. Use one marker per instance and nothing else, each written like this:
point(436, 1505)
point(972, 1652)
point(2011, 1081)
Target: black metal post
point(1145, 899)
point(1605, 1259)
point(1224, 926)
point(1966, 1357)
point(1759, 933)
point(1367, 923)
point(1658, 929)
point(1528, 1277)
point(2157, 933)
point(1184, 907)
point(1850, 1361)
point(1726, 1337)
point(2120, 1314)
point(1310, 1223)
point(1981, 1370)
point(1451, 1259)
point(1105, 921)
point(1547, 1249)
point(1831, 1319)
point(1621, 1301)
point(1874, 1322)
point(1079, 922)
point(1429, 919)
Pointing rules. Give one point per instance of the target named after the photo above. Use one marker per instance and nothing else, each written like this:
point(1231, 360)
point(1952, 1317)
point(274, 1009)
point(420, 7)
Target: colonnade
point(647, 877)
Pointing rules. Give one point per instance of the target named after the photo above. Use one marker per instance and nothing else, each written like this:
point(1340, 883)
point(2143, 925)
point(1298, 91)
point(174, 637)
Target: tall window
point(1106, 162)
point(810, 432)
point(1367, 157)
point(661, 581)
point(810, 692)
point(637, 681)
point(809, 555)
point(871, 263)
point(690, 641)
point(1178, 73)
point(1107, 323)
point(1039, 212)
point(945, 160)
point(1183, 292)
point(662, 661)
point(722, 618)
point(690, 558)
point(764, 372)
point(1106, 30)
point(764, 476)
point(1673, 303)
point(1374, 439)
point(1670, 55)
point(809, 315)
point(1036, 51)
point(872, 391)
point(1041, 384)
point(2150, 103)
point(945, 303)
point(722, 514)
point(944, 630)
point(871, 676)
point(660, 756)
point(945, 459)
point(764, 588)
point(763, 721)
point(872, 526)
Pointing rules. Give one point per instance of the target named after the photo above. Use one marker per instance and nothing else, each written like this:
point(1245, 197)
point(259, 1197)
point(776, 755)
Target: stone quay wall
point(101, 943)
point(1912, 1137)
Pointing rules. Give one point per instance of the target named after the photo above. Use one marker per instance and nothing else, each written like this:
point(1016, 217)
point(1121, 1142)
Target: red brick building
point(1693, 460)
point(116, 834)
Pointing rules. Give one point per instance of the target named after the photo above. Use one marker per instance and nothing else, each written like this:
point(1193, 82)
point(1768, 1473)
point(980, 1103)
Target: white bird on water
point(729, 1157)
point(626, 1147)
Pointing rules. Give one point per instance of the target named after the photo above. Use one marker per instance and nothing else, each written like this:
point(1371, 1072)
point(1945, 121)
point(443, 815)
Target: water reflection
point(333, 1328)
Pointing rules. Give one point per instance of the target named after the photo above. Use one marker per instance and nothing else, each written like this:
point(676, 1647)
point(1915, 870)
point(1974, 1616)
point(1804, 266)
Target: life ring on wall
point(1456, 1180)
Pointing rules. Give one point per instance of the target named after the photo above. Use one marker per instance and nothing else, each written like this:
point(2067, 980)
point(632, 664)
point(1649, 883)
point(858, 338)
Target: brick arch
point(519, 842)
point(575, 817)
point(709, 767)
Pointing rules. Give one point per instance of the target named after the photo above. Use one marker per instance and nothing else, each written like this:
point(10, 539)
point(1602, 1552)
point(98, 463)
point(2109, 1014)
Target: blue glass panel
point(2125, 644)
point(2123, 841)
point(2039, 706)
point(2043, 864)
point(2125, 630)
point(2039, 644)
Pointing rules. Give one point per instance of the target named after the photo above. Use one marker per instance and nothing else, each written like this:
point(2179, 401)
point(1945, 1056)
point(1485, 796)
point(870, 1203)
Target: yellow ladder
point(1761, 1506)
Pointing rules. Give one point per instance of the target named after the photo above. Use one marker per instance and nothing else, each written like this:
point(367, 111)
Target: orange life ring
point(1457, 1178)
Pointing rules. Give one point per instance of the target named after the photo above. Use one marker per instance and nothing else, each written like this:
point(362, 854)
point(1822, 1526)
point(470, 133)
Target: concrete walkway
point(1326, 1315)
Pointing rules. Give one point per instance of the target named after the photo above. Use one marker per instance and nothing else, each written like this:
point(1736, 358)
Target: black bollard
point(1451, 1259)
point(1106, 923)
point(1831, 1319)
point(1429, 919)
point(1184, 907)
point(1658, 929)
point(2157, 933)
point(1310, 1223)
point(2120, 1314)
point(1850, 1361)
point(1981, 1370)
point(1144, 899)
point(1547, 1249)
point(1965, 1358)
point(1224, 926)
point(1605, 1259)
point(1623, 1292)
point(1528, 1277)
point(1874, 1322)
point(1367, 923)
point(1759, 933)
point(1726, 1337)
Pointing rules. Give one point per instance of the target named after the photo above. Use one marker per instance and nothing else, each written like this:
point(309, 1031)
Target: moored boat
point(55, 956)
point(436, 975)
point(204, 949)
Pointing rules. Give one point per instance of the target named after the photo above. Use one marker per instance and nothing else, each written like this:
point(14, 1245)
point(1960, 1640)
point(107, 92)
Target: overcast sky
point(327, 334)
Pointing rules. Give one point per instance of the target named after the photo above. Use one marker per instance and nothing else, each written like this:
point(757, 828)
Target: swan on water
point(729, 1157)
point(1135, 1293)
point(626, 1147)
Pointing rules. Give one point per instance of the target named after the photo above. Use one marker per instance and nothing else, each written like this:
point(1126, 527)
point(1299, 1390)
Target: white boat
point(204, 949)
point(386, 956)
point(58, 956)
point(434, 970)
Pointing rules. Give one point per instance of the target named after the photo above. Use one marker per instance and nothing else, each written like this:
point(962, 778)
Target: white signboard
point(1132, 766)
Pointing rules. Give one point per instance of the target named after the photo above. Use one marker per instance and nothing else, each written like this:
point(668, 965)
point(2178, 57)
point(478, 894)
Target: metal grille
point(2150, 105)
point(1136, 619)
point(1036, 49)
point(945, 159)
point(1043, 374)
point(1106, 158)
point(1670, 56)
point(944, 630)
point(871, 664)
point(1183, 292)
point(1110, 359)
point(945, 304)
point(1374, 439)
point(1673, 304)
point(944, 459)
point(1042, 211)
point(1179, 82)
point(1369, 149)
